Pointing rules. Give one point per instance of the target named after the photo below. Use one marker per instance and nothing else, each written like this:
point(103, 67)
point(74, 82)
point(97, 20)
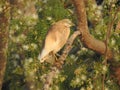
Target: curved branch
point(88, 40)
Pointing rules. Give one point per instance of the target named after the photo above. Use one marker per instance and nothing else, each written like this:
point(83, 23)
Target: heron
point(56, 38)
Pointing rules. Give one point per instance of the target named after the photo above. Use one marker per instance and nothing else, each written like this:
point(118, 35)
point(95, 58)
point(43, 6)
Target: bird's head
point(67, 22)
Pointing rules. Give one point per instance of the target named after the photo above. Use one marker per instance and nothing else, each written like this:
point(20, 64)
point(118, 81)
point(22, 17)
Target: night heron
point(56, 38)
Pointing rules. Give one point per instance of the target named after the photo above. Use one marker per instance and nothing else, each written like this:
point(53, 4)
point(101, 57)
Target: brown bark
point(88, 40)
point(4, 26)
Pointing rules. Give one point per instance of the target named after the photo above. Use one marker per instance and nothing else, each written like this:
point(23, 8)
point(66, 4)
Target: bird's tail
point(42, 55)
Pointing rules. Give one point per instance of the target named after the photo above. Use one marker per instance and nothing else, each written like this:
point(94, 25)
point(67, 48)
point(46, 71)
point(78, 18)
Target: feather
point(56, 38)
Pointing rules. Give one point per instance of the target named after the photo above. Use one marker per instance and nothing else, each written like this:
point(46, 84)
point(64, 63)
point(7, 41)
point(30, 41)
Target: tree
point(4, 29)
point(90, 58)
point(31, 16)
point(88, 40)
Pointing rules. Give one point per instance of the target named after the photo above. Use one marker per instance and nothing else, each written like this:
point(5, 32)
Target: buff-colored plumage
point(56, 38)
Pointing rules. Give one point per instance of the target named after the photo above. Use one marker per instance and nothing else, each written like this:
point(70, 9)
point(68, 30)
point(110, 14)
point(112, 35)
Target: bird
point(56, 38)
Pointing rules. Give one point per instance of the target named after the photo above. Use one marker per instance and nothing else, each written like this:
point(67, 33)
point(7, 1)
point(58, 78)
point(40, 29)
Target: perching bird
point(56, 38)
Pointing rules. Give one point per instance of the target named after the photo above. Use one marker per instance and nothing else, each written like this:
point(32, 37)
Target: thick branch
point(88, 40)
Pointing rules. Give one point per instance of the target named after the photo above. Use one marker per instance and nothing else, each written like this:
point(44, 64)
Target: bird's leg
point(58, 55)
point(54, 55)
point(56, 58)
point(58, 63)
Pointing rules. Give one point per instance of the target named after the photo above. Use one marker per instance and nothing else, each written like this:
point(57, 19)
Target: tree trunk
point(4, 27)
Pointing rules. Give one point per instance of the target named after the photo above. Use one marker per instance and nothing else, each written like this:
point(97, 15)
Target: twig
point(58, 65)
point(108, 34)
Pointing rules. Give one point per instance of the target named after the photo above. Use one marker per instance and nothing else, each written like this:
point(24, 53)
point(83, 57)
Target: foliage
point(83, 69)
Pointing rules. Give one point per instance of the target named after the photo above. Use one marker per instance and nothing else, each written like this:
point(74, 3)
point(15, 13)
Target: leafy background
point(83, 69)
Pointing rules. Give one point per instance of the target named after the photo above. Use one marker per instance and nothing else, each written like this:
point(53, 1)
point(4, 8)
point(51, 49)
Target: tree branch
point(88, 40)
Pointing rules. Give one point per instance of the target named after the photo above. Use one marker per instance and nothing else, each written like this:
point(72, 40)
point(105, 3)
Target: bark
point(88, 40)
point(4, 27)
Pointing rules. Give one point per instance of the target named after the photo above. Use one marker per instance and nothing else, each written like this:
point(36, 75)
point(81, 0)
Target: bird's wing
point(60, 34)
point(55, 39)
point(49, 44)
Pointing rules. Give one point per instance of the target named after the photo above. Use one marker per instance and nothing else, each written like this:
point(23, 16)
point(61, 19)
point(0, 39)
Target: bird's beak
point(72, 24)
